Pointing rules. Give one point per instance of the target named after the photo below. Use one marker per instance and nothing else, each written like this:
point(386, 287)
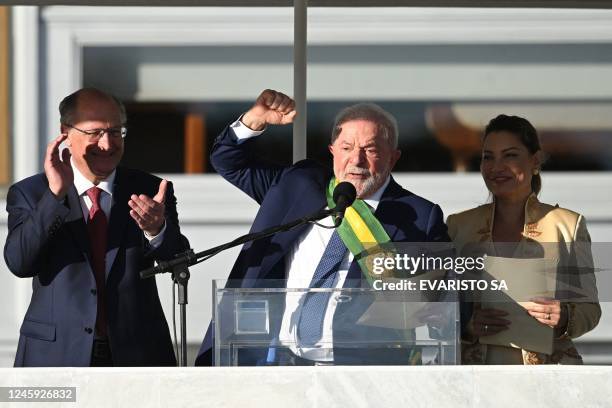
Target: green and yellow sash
point(360, 231)
point(366, 238)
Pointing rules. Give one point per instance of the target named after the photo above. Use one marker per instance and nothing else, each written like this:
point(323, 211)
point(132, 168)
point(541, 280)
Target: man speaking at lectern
point(364, 149)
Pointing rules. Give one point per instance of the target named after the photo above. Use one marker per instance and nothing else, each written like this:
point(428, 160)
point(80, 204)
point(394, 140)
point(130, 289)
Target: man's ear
point(68, 141)
point(396, 155)
point(65, 129)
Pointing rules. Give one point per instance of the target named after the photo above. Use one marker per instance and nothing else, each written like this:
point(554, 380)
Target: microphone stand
point(179, 267)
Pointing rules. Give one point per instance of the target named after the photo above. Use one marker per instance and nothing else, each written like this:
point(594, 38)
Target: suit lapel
point(76, 223)
point(118, 220)
point(388, 220)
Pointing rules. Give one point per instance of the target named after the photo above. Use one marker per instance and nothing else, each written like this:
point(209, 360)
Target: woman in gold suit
point(515, 219)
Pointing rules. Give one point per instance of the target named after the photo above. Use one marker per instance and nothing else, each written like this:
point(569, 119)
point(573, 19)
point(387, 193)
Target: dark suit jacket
point(287, 193)
point(48, 242)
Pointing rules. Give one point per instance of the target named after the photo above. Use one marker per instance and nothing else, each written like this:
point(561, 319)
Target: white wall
point(392, 72)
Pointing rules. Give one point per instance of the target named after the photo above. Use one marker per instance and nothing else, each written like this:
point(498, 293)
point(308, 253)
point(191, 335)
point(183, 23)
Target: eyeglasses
point(96, 134)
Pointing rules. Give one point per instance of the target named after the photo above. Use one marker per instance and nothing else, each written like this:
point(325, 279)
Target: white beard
point(368, 186)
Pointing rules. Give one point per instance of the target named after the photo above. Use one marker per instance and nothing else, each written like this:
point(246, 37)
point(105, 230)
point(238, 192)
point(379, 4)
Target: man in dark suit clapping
point(83, 230)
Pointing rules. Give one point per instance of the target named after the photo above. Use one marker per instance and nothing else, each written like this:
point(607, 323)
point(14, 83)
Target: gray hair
point(68, 105)
point(386, 123)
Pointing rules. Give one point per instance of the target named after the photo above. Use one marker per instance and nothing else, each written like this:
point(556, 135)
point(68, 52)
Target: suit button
point(94, 292)
point(88, 330)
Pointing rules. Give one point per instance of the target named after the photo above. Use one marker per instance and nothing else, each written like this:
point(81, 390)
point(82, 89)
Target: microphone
point(344, 196)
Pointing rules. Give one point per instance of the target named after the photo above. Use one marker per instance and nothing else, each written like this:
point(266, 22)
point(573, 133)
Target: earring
point(536, 171)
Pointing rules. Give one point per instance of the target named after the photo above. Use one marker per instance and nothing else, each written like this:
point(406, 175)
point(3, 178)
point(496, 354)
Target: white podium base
point(325, 387)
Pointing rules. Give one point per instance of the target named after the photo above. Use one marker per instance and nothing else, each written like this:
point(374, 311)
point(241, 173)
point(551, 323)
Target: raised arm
point(232, 154)
point(34, 218)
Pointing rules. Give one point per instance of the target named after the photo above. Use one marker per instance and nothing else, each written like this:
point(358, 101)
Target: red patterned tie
point(97, 229)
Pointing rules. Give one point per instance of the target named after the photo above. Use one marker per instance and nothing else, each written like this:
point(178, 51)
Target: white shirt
point(300, 265)
point(82, 184)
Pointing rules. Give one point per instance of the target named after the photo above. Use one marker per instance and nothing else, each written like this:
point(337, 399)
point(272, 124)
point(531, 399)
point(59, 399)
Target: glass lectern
point(255, 325)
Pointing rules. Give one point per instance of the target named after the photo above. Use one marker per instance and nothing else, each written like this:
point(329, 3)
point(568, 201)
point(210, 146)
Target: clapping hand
point(270, 108)
point(58, 170)
point(149, 212)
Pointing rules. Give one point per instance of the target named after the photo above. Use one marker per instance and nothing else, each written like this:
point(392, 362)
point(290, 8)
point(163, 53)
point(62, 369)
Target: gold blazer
point(544, 224)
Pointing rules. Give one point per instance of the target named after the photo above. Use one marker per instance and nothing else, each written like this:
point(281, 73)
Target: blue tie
point(310, 325)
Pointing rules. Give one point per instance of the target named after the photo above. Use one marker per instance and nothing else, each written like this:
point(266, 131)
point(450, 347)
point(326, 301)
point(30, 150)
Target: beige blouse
point(563, 235)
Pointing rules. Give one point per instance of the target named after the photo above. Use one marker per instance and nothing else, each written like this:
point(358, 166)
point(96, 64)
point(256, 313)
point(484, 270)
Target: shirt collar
point(82, 184)
point(374, 199)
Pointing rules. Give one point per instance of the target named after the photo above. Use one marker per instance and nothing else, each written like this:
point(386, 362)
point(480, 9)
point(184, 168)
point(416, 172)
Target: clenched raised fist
point(270, 108)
